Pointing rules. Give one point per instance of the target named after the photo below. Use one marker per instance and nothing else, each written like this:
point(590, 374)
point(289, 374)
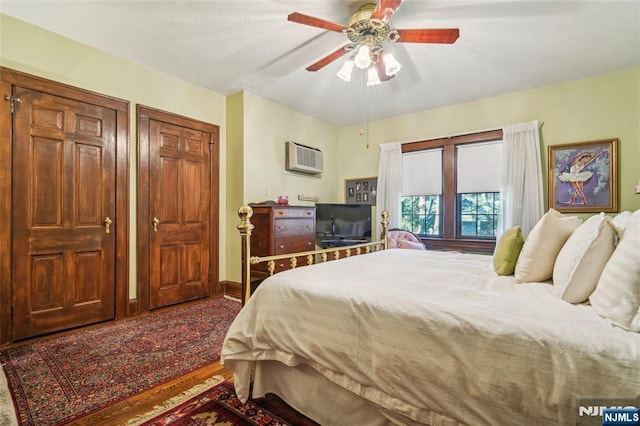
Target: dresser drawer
point(280, 212)
point(293, 227)
point(293, 245)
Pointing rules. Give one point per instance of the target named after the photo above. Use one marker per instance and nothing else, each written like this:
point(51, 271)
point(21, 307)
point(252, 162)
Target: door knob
point(107, 225)
point(155, 222)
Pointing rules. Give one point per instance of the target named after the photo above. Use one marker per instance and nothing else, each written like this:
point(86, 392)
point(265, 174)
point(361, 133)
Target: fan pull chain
point(362, 96)
point(364, 122)
point(368, 89)
point(368, 108)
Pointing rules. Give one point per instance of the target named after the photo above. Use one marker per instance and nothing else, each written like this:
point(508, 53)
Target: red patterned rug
point(219, 405)
point(54, 381)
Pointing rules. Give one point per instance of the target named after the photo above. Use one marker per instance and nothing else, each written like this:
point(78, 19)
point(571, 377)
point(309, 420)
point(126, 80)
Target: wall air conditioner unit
point(302, 158)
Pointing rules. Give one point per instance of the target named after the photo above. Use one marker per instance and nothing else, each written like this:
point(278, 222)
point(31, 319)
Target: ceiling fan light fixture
point(367, 29)
point(372, 77)
point(346, 70)
point(362, 59)
point(392, 66)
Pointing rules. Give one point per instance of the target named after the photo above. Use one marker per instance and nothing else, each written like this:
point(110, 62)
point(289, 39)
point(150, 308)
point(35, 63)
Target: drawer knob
point(280, 227)
point(281, 246)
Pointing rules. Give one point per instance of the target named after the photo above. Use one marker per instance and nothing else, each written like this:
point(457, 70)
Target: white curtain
point(390, 182)
point(521, 189)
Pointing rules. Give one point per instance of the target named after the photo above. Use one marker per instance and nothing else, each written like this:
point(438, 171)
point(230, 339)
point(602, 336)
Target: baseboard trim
point(232, 288)
point(132, 310)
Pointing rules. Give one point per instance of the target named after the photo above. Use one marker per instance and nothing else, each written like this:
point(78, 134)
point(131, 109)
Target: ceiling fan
point(366, 30)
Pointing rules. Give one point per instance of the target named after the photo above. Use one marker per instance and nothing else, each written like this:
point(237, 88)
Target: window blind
point(479, 167)
point(422, 172)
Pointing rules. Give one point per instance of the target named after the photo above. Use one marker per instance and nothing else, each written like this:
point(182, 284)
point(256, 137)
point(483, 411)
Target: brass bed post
point(385, 226)
point(245, 227)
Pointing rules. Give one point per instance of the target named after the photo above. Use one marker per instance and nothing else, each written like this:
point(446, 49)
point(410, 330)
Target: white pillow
point(617, 295)
point(583, 257)
point(621, 220)
point(542, 246)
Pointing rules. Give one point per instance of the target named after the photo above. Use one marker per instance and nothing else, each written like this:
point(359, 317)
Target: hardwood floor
point(143, 402)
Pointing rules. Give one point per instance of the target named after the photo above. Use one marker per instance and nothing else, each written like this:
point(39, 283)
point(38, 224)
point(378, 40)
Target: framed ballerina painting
point(583, 176)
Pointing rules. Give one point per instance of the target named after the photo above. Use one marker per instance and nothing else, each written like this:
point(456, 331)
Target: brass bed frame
point(245, 227)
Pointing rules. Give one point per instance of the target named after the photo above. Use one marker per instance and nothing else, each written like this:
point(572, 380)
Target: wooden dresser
point(281, 230)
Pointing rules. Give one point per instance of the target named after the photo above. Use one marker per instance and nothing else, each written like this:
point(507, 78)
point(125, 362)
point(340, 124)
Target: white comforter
point(425, 334)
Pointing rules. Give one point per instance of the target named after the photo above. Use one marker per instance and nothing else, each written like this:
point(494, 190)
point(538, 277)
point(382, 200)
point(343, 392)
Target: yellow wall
point(266, 126)
point(234, 182)
point(26, 48)
point(585, 110)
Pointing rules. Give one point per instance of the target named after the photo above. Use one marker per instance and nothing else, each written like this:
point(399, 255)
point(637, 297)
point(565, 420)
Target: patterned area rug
point(57, 380)
point(218, 404)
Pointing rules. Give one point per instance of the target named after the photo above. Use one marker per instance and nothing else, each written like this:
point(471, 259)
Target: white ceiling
point(228, 46)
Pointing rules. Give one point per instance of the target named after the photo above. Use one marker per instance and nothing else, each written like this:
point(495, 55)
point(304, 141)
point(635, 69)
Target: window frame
point(451, 238)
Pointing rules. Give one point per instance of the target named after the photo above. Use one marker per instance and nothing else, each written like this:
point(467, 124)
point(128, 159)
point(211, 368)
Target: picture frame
point(583, 176)
point(361, 190)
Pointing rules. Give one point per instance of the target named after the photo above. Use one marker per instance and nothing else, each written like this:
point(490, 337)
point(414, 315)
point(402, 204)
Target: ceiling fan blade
point(315, 22)
point(382, 70)
point(385, 9)
point(328, 59)
point(438, 35)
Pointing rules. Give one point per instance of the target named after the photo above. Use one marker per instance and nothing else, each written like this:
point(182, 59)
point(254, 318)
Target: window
point(478, 170)
point(421, 192)
point(451, 190)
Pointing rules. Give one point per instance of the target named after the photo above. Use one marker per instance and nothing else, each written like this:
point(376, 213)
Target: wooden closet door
point(180, 209)
point(64, 186)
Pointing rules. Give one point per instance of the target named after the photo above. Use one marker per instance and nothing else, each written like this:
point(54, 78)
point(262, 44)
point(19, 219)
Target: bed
point(425, 337)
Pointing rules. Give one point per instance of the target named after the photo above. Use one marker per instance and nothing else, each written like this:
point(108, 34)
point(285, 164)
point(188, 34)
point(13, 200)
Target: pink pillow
point(405, 244)
point(403, 239)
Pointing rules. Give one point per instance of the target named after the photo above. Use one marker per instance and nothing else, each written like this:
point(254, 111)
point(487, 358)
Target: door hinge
point(12, 100)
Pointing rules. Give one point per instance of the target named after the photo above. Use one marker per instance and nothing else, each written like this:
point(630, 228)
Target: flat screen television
point(343, 221)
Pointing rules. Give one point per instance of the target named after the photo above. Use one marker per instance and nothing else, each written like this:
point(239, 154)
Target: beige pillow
point(507, 251)
point(583, 257)
point(542, 246)
point(617, 295)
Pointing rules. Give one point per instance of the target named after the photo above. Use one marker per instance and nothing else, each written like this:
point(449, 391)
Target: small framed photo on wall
point(361, 190)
